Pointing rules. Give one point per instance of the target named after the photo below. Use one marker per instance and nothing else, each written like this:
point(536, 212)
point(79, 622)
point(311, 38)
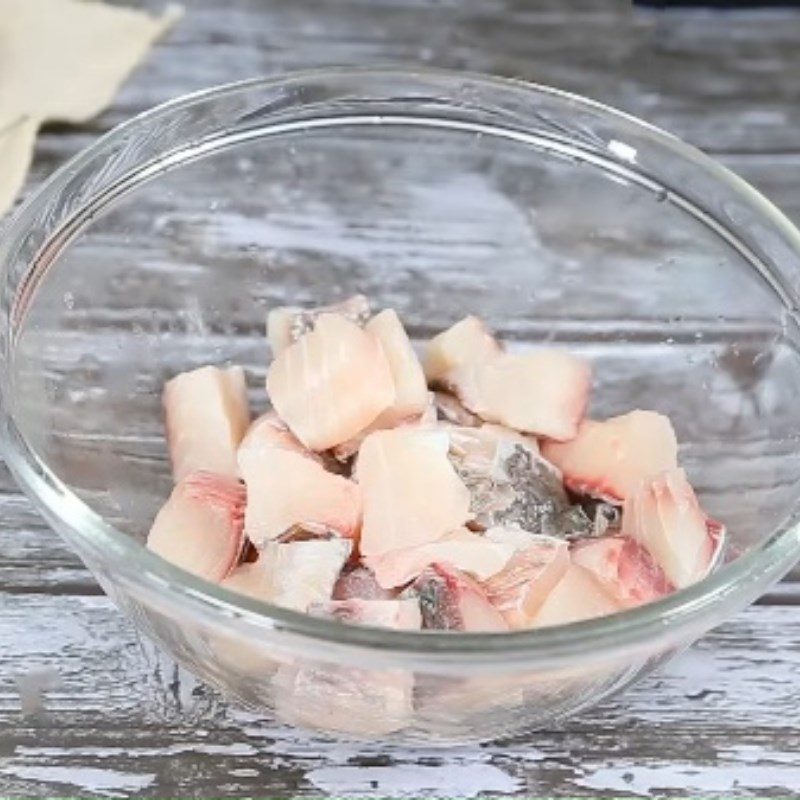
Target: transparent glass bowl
point(557, 220)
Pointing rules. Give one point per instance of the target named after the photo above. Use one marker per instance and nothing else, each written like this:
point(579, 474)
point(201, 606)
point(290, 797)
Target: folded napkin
point(62, 60)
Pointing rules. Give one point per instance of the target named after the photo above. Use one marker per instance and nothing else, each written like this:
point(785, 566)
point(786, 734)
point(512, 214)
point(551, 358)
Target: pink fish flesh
point(609, 459)
point(199, 528)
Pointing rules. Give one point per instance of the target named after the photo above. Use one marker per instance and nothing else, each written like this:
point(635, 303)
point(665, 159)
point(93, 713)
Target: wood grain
point(724, 82)
point(122, 721)
point(119, 720)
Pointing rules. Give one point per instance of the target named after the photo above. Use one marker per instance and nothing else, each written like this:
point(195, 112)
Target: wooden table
point(720, 721)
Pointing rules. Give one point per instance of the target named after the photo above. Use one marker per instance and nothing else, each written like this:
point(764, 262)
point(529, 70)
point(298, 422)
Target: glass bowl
point(161, 247)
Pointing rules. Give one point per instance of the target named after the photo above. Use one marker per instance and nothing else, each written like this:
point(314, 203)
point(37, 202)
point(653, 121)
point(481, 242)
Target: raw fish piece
point(623, 568)
point(450, 409)
point(287, 324)
point(411, 391)
point(452, 601)
point(510, 484)
point(665, 517)
point(465, 342)
point(401, 615)
point(358, 583)
point(464, 550)
point(199, 528)
point(286, 488)
point(577, 596)
point(411, 493)
point(331, 384)
point(345, 451)
point(269, 430)
point(253, 580)
point(521, 587)
point(544, 392)
point(302, 573)
point(609, 459)
point(331, 697)
point(206, 417)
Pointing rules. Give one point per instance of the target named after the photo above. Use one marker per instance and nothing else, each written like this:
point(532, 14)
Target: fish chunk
point(411, 390)
point(287, 324)
point(252, 580)
point(577, 596)
point(199, 528)
point(330, 384)
point(303, 573)
point(269, 430)
point(286, 488)
point(359, 583)
point(345, 451)
point(510, 484)
point(464, 550)
point(544, 392)
point(623, 568)
point(531, 574)
point(609, 459)
point(206, 417)
point(465, 342)
point(411, 493)
point(401, 615)
point(452, 601)
point(665, 517)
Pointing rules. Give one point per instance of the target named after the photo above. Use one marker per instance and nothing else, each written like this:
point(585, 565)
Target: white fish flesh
point(331, 384)
point(206, 417)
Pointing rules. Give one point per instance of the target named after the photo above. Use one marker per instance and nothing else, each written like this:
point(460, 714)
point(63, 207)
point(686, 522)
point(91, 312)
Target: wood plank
point(723, 81)
point(119, 720)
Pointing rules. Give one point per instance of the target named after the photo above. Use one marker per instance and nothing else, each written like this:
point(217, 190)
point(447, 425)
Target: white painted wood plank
point(120, 720)
point(724, 81)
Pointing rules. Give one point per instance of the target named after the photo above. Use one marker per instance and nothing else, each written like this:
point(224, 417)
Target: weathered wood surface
point(120, 721)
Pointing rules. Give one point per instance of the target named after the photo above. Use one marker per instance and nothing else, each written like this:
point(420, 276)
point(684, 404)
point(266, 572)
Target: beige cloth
point(62, 60)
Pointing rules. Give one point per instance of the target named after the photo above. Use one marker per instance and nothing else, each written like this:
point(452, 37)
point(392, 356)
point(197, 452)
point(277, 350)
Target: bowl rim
point(677, 617)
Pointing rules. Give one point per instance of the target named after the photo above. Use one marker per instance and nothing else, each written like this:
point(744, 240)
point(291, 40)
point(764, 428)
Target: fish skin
point(451, 600)
point(510, 484)
point(358, 583)
point(206, 415)
point(450, 409)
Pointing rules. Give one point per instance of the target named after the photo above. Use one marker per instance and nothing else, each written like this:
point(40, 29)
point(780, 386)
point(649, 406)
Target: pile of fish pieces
point(463, 491)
